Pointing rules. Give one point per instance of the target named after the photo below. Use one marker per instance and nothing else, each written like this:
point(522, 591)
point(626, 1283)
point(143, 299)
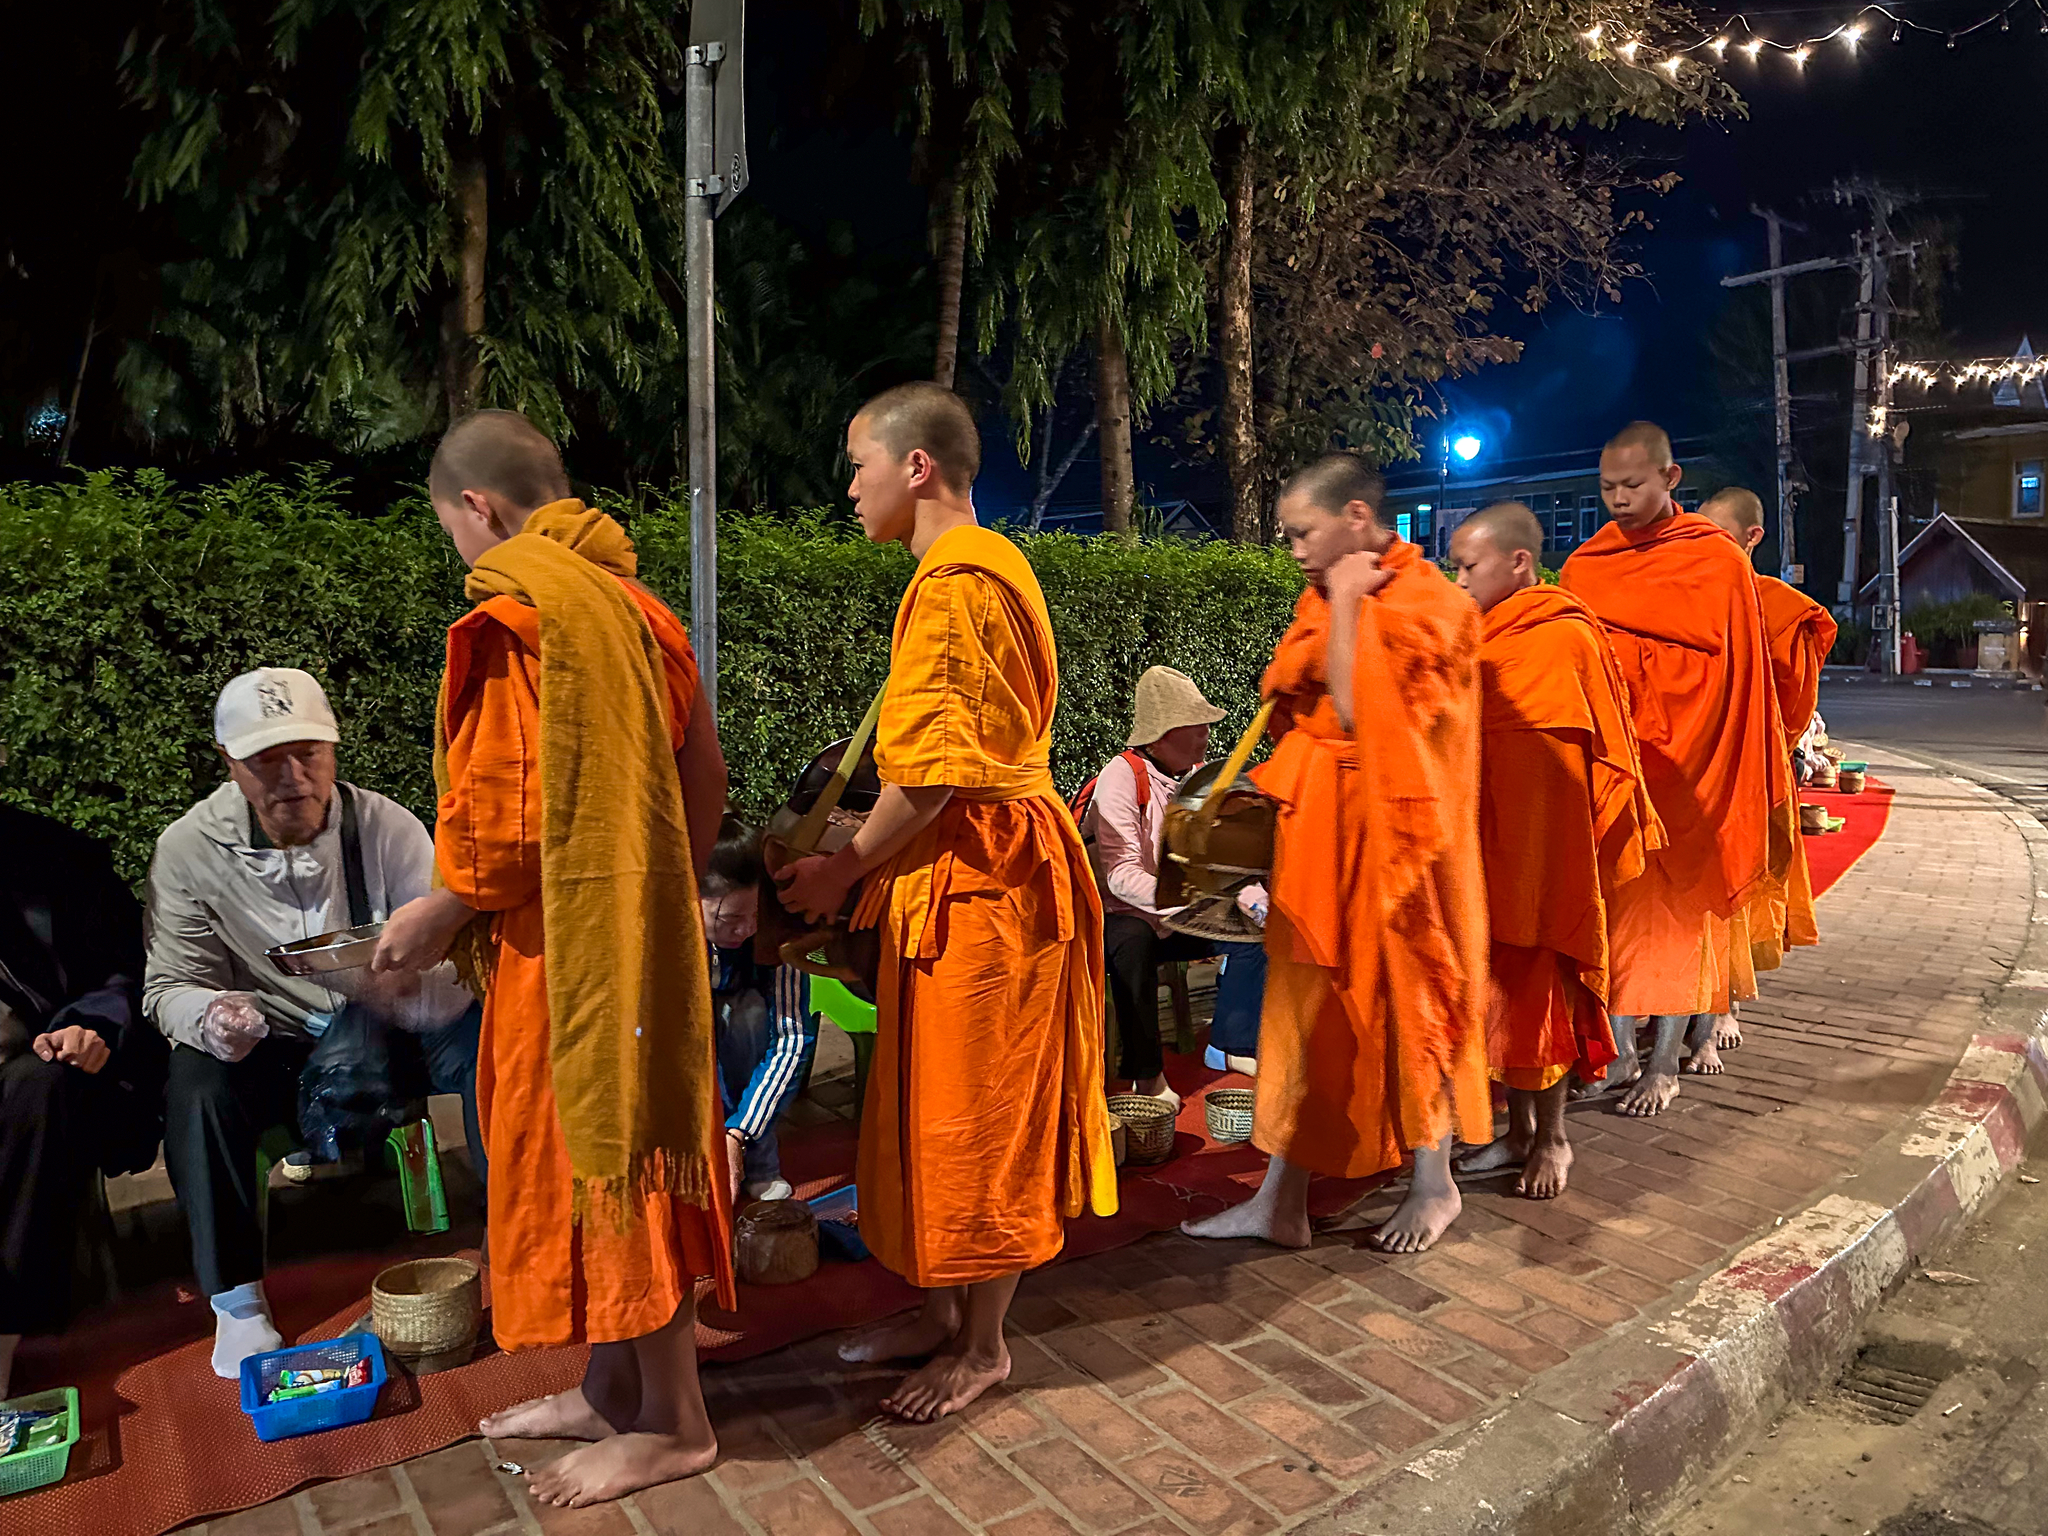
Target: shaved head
point(1737, 513)
point(1510, 525)
point(1332, 482)
point(1496, 553)
point(931, 417)
point(1736, 510)
point(503, 454)
point(1649, 437)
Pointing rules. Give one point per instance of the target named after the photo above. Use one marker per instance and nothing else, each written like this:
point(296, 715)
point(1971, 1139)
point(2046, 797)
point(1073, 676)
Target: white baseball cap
point(268, 707)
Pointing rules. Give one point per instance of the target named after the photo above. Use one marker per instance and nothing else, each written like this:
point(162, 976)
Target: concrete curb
point(1603, 1442)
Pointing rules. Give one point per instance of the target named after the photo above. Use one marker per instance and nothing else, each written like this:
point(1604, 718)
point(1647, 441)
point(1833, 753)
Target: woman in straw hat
point(1124, 823)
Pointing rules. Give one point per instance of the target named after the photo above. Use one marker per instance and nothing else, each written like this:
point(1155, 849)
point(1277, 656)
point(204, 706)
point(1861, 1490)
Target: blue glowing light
point(1466, 447)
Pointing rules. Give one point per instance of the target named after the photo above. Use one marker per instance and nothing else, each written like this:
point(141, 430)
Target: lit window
point(1403, 526)
point(2026, 488)
point(1589, 516)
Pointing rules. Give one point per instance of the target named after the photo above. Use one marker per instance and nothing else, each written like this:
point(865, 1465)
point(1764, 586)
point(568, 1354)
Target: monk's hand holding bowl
point(1357, 576)
point(416, 937)
point(816, 888)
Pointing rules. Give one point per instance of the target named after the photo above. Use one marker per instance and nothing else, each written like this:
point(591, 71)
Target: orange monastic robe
point(1563, 821)
point(558, 1279)
point(1800, 633)
point(984, 1125)
point(1679, 603)
point(1373, 1040)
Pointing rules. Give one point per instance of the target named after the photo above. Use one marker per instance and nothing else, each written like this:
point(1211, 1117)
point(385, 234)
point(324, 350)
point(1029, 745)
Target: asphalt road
point(1966, 1340)
point(1998, 738)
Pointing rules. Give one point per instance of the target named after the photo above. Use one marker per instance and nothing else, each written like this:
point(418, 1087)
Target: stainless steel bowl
point(346, 949)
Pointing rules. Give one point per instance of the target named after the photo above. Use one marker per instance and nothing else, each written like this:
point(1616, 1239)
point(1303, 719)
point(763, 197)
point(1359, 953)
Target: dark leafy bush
point(132, 602)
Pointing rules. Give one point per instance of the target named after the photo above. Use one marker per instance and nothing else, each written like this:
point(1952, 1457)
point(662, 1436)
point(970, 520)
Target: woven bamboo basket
point(1148, 1127)
point(427, 1306)
point(1119, 1143)
point(1851, 778)
point(776, 1243)
point(1813, 820)
point(1229, 1113)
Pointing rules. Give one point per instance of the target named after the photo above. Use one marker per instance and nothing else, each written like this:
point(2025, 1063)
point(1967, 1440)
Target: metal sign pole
point(700, 365)
point(714, 172)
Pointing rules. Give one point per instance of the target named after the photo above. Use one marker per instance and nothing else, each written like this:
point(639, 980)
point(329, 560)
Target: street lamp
point(1466, 446)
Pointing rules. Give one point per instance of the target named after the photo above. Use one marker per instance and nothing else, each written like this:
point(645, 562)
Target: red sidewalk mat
point(1832, 854)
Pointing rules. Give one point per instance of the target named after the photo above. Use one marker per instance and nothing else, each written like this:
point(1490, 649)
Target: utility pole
point(714, 171)
point(1859, 425)
point(1781, 391)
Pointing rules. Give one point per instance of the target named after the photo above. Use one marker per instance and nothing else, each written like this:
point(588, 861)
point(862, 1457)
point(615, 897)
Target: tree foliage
point(319, 203)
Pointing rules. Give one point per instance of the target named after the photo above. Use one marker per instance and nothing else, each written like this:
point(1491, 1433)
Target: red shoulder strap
point(1143, 771)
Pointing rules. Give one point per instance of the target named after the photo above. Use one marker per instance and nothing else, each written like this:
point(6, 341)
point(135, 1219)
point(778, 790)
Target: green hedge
point(131, 602)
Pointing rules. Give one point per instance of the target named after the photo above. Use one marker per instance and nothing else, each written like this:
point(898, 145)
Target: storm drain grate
point(1875, 1392)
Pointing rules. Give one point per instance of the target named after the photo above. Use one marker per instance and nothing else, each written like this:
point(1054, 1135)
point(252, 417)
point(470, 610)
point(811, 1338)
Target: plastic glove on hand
point(231, 1025)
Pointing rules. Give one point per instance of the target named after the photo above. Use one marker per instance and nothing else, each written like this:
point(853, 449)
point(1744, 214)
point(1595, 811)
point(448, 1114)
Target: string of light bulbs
point(1737, 33)
point(1957, 375)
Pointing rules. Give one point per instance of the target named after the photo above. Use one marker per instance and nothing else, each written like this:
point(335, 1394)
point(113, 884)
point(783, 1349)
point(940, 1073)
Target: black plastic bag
point(356, 1088)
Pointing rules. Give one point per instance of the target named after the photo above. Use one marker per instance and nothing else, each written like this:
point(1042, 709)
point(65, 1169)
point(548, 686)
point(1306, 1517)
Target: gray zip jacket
point(216, 904)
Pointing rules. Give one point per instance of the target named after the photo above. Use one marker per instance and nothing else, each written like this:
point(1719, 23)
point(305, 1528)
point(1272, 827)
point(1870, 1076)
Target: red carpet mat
point(166, 1441)
point(1831, 855)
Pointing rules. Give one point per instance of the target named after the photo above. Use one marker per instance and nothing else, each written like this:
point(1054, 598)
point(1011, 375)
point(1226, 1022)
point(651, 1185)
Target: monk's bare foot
point(620, 1465)
point(946, 1384)
point(1419, 1222)
point(1651, 1095)
point(1705, 1059)
point(1543, 1177)
point(1255, 1218)
point(1728, 1032)
point(910, 1337)
point(1503, 1152)
point(1620, 1074)
point(565, 1416)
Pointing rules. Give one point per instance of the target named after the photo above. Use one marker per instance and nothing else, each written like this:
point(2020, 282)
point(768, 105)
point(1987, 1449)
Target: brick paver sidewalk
point(1176, 1386)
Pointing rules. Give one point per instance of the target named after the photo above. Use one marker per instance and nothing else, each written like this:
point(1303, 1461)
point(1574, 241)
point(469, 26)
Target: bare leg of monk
point(909, 1337)
point(1700, 1042)
point(607, 1402)
point(670, 1438)
point(1511, 1150)
point(1278, 1212)
point(975, 1360)
point(1625, 1068)
point(1657, 1085)
point(1549, 1161)
point(1431, 1206)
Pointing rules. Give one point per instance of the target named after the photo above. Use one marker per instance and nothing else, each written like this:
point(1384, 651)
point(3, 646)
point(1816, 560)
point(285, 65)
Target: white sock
point(241, 1328)
point(7, 1343)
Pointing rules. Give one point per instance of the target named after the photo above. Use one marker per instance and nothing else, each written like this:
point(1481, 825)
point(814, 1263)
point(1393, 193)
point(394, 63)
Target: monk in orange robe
point(1372, 1041)
point(1800, 633)
point(581, 785)
point(1679, 604)
point(1563, 821)
point(984, 1126)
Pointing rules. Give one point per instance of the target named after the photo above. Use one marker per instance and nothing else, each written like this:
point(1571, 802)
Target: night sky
point(1966, 126)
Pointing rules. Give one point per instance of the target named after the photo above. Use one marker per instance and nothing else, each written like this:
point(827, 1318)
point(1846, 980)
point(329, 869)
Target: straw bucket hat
point(1168, 700)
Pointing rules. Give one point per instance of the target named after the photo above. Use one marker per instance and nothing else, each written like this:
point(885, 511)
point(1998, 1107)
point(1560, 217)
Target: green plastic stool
point(858, 1020)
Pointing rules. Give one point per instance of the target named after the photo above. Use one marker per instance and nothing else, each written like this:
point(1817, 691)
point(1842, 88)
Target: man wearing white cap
point(1124, 821)
point(280, 852)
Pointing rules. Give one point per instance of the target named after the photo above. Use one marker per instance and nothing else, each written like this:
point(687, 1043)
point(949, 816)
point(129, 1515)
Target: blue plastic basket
point(325, 1410)
point(44, 1464)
